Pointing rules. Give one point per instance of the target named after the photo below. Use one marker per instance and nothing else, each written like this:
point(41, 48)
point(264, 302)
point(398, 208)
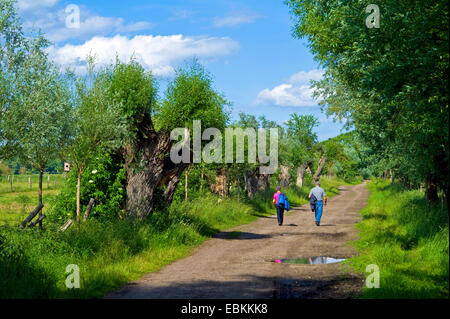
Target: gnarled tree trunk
point(145, 163)
point(301, 173)
point(220, 186)
point(263, 181)
point(256, 182)
point(320, 167)
point(431, 190)
point(284, 176)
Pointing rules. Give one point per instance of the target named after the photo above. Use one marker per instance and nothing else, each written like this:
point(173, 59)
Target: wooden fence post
point(88, 209)
point(39, 220)
point(66, 225)
point(32, 215)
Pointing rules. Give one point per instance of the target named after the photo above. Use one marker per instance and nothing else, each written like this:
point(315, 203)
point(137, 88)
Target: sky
point(247, 46)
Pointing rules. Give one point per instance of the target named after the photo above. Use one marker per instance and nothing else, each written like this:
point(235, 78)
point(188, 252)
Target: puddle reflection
point(310, 260)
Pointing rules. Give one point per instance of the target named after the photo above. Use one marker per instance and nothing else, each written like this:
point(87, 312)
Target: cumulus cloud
point(50, 17)
point(296, 91)
point(157, 53)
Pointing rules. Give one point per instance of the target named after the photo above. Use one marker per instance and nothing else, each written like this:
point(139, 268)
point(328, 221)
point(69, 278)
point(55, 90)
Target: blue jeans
point(319, 208)
point(280, 213)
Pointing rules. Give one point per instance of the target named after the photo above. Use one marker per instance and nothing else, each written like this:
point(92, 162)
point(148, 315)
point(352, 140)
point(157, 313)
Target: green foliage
point(134, 89)
point(189, 97)
point(104, 180)
point(296, 146)
point(408, 238)
point(4, 169)
point(98, 125)
point(389, 82)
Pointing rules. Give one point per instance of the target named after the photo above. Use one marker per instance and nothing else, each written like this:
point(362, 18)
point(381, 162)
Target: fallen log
point(32, 215)
point(37, 221)
point(88, 209)
point(66, 225)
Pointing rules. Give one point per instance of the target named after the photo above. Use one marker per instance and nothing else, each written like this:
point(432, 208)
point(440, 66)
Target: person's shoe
point(279, 224)
point(317, 223)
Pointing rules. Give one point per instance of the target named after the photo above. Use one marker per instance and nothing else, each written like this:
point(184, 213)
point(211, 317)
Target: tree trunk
point(431, 190)
point(143, 180)
point(251, 183)
point(186, 174)
point(263, 181)
point(320, 167)
point(78, 196)
point(220, 186)
point(148, 167)
point(301, 173)
point(41, 174)
point(284, 177)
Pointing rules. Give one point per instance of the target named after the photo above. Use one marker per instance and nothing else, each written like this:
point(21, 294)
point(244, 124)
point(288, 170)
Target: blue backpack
point(283, 200)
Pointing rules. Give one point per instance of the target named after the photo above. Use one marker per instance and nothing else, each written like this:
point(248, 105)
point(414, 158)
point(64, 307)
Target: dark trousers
point(280, 213)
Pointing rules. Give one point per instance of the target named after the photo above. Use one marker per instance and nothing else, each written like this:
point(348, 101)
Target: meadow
point(15, 206)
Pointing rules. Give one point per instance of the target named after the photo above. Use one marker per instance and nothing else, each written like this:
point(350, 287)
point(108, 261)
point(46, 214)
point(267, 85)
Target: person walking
point(281, 203)
point(321, 199)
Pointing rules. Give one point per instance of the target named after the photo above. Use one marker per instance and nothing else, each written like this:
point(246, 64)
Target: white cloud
point(296, 91)
point(157, 53)
point(306, 77)
point(234, 19)
point(25, 5)
point(50, 17)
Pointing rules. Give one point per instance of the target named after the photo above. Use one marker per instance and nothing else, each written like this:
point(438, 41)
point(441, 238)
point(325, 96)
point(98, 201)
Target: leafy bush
point(104, 180)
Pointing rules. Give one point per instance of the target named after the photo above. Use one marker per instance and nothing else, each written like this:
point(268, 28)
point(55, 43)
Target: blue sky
point(247, 45)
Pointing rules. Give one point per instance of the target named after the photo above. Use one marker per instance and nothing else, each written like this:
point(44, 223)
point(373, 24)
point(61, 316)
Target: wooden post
point(37, 221)
point(66, 225)
point(48, 181)
point(88, 209)
point(54, 182)
point(32, 215)
point(11, 182)
point(29, 182)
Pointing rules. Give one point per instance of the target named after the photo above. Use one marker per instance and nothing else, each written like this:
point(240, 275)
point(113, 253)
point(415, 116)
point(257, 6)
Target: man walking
point(319, 193)
point(281, 203)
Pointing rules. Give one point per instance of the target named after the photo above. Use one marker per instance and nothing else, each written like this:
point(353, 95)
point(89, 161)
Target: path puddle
point(318, 260)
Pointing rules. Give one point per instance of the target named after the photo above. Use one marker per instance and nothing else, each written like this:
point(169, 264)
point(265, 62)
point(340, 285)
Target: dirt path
point(229, 266)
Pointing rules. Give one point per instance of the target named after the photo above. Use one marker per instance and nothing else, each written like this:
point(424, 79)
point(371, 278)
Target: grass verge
point(408, 239)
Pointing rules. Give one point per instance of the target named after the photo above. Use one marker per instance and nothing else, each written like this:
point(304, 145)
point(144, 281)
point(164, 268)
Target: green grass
point(16, 205)
point(112, 253)
point(408, 238)
point(21, 184)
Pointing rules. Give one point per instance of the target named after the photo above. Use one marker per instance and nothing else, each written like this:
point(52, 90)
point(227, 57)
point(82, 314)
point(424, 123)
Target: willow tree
point(190, 96)
point(35, 98)
point(299, 142)
point(97, 123)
